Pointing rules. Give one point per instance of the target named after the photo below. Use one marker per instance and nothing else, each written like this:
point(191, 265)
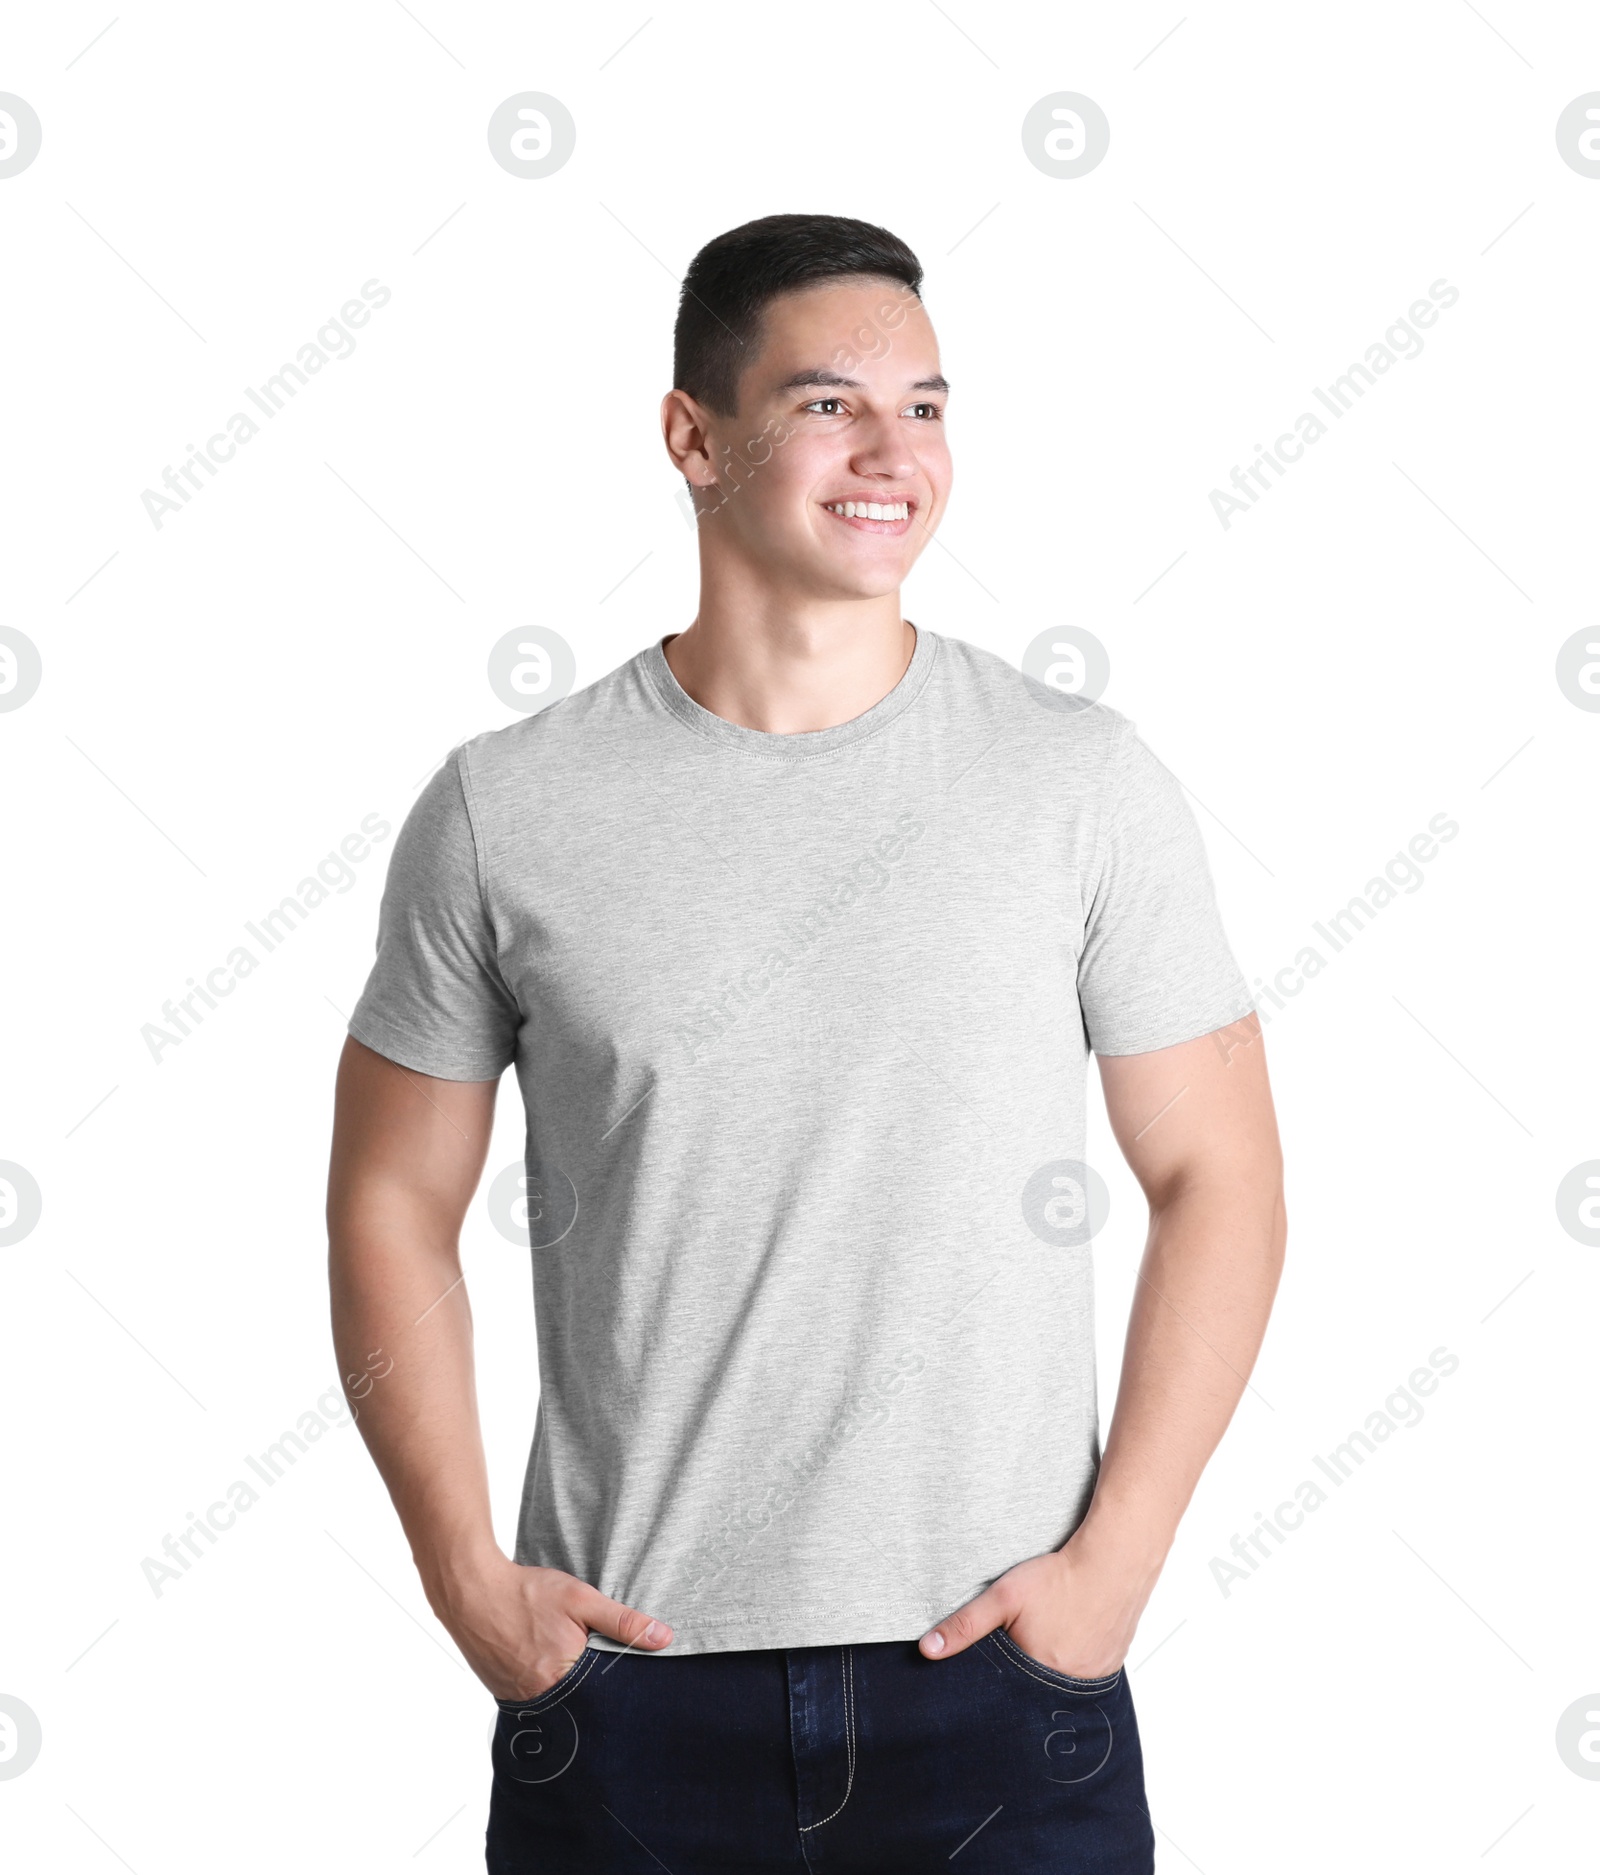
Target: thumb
point(618, 1621)
point(969, 1623)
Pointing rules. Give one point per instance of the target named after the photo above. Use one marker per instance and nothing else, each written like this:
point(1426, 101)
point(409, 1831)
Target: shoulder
point(553, 747)
point(1032, 715)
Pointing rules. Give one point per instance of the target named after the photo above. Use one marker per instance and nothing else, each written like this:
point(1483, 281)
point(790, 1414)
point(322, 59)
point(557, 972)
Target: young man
point(798, 929)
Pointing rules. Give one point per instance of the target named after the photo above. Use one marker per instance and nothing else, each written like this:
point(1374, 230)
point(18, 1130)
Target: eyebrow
point(835, 380)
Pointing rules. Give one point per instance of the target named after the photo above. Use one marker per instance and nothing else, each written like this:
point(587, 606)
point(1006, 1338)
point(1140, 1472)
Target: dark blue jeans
point(859, 1760)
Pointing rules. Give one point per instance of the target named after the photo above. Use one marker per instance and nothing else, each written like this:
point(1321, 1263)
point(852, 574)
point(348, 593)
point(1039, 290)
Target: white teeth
point(871, 510)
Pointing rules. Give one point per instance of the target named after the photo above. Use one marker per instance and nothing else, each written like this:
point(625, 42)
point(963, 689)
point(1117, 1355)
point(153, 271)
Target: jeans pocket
point(535, 1701)
point(1036, 1669)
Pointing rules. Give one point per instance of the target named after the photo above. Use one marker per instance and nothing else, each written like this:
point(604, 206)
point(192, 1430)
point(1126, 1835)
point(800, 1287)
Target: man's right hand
point(522, 1628)
point(408, 1151)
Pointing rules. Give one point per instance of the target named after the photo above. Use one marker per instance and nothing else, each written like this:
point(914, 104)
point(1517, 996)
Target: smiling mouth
point(874, 517)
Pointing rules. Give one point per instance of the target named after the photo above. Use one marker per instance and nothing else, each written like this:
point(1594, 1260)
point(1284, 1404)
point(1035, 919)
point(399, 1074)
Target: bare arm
point(1196, 1124)
point(408, 1151)
point(1212, 1174)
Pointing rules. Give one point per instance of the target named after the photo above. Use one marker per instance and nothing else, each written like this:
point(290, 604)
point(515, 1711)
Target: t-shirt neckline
point(805, 742)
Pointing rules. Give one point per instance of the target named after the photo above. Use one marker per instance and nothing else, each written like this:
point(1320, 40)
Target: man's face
point(842, 401)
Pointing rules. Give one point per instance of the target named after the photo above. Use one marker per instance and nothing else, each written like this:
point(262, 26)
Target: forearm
point(1206, 1285)
point(408, 1151)
point(402, 1328)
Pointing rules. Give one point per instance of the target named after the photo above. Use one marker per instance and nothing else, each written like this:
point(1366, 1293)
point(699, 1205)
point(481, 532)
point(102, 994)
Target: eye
point(938, 413)
point(822, 400)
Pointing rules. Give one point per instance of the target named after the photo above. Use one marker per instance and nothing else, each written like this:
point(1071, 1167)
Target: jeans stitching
point(847, 1673)
point(568, 1683)
point(1048, 1676)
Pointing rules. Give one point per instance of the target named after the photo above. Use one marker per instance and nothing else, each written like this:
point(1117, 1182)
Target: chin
point(869, 588)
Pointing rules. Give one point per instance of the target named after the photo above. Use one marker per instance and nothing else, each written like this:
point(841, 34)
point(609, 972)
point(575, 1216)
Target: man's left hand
point(1074, 1609)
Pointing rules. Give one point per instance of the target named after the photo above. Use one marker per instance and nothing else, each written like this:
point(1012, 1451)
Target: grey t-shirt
point(796, 1019)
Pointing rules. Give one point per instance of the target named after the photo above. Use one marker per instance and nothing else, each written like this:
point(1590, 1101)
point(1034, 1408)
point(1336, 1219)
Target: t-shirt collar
point(806, 742)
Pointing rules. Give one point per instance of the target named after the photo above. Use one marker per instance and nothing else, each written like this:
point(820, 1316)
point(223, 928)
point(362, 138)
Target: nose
point(884, 454)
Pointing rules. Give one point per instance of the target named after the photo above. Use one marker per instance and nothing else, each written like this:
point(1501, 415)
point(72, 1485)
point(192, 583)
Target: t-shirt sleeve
point(1155, 968)
point(435, 999)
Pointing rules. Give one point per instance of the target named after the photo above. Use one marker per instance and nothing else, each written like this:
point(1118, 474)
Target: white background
point(225, 697)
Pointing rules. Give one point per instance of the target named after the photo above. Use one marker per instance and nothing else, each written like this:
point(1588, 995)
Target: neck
point(788, 675)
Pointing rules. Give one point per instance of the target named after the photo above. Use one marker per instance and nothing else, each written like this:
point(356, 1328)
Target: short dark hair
point(733, 278)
